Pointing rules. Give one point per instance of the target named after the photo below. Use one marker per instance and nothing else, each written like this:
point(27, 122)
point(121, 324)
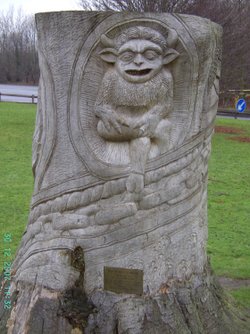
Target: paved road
point(20, 90)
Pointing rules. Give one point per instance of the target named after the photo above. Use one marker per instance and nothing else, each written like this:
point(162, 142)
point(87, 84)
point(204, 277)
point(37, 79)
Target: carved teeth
point(138, 72)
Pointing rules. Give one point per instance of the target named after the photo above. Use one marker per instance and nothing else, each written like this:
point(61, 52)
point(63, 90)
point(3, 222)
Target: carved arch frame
point(92, 150)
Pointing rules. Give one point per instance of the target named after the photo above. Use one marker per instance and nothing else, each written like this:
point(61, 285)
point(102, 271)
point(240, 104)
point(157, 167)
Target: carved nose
point(138, 60)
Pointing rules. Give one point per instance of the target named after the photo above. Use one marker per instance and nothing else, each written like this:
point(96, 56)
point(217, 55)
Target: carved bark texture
point(120, 153)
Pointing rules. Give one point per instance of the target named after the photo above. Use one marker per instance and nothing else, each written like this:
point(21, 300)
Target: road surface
point(19, 90)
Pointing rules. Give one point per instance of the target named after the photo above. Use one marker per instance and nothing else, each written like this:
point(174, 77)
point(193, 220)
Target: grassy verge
point(229, 205)
point(242, 295)
point(228, 191)
point(16, 181)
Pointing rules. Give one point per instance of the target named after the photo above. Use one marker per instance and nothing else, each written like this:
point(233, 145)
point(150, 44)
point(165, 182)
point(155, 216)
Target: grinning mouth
point(139, 72)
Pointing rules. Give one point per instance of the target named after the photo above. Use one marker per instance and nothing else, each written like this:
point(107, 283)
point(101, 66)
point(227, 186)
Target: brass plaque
point(122, 280)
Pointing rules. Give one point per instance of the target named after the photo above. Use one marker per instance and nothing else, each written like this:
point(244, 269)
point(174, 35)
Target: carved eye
point(127, 56)
point(150, 54)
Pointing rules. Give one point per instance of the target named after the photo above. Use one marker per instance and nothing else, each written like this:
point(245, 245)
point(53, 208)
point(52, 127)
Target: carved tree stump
point(116, 240)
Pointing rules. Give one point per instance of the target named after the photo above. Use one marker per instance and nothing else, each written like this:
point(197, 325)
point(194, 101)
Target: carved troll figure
point(136, 95)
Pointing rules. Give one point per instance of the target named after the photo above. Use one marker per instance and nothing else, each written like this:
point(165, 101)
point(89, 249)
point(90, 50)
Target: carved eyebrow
point(128, 48)
point(134, 49)
point(155, 48)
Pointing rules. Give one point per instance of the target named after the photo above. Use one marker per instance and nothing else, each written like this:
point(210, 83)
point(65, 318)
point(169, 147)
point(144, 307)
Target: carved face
point(139, 60)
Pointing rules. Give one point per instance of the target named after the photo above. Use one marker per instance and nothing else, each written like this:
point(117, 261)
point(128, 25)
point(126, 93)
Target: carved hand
point(110, 118)
point(149, 121)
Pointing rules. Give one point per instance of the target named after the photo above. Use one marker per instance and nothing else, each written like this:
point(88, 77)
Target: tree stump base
point(195, 306)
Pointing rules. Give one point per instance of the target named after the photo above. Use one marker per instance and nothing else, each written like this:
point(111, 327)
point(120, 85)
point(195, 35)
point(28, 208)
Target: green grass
point(229, 203)
point(228, 191)
point(242, 296)
point(16, 181)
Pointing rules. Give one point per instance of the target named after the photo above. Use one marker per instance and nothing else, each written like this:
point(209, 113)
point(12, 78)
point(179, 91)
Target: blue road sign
point(241, 105)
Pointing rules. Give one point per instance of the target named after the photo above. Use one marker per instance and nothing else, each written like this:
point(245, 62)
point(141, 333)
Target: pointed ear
point(169, 56)
point(109, 55)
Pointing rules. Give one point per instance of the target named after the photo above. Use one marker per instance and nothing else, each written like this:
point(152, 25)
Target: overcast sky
point(35, 6)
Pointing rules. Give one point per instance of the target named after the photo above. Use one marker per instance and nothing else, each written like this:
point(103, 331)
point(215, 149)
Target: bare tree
point(18, 54)
point(136, 6)
point(233, 17)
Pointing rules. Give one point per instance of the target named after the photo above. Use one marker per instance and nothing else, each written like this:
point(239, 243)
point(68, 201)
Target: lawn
point(16, 181)
point(229, 200)
point(228, 191)
point(229, 203)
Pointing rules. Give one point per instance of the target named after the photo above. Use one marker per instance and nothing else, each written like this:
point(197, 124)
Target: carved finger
point(116, 126)
point(99, 111)
point(138, 124)
point(106, 123)
point(122, 121)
